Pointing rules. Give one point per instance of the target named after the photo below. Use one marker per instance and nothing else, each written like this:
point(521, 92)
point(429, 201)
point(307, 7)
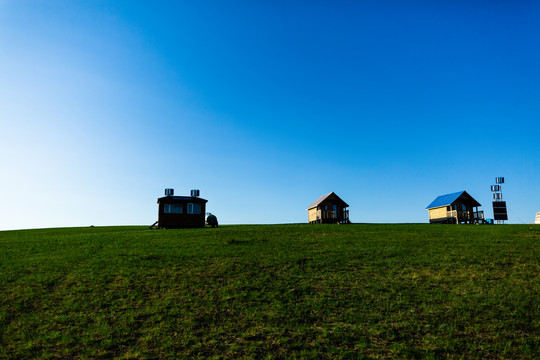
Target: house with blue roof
point(455, 208)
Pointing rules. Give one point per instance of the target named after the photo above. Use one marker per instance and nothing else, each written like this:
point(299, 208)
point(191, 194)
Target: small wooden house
point(455, 208)
point(328, 209)
point(181, 211)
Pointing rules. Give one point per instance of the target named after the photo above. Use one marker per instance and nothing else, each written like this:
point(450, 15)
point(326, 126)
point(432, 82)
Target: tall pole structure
point(499, 206)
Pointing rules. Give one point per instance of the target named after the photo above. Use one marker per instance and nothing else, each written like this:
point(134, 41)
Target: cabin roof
point(449, 199)
point(324, 197)
point(181, 198)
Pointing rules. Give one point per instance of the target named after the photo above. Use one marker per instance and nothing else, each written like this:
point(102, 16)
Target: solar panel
point(499, 210)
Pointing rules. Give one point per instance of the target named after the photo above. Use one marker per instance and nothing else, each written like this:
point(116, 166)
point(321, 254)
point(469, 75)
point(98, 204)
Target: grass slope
point(276, 291)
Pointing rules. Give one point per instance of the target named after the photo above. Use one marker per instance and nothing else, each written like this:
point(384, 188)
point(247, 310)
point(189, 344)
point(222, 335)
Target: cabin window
point(448, 208)
point(463, 207)
point(173, 209)
point(193, 208)
point(334, 207)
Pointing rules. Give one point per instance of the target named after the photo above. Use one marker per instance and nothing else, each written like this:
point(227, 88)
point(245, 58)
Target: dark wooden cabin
point(455, 208)
point(181, 211)
point(328, 209)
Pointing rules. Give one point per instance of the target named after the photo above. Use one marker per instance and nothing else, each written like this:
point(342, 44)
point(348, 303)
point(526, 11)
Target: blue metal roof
point(444, 200)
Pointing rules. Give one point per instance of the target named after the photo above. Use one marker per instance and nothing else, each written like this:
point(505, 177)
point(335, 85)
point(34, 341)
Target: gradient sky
point(265, 106)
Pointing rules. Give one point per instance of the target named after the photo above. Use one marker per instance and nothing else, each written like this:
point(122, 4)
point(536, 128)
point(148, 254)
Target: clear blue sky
point(265, 106)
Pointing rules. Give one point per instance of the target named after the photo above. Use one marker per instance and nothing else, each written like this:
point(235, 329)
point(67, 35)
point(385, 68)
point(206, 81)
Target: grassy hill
point(271, 291)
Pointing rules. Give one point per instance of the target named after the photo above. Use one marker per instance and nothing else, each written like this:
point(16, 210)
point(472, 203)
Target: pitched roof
point(448, 199)
point(324, 197)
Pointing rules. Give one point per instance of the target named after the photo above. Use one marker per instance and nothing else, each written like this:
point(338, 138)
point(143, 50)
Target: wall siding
point(437, 213)
point(312, 214)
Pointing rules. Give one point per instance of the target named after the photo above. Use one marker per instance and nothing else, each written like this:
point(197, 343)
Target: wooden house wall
point(312, 214)
point(184, 220)
point(437, 213)
point(330, 204)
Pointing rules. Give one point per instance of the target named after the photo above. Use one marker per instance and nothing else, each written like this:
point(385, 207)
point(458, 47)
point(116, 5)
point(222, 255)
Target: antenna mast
point(499, 206)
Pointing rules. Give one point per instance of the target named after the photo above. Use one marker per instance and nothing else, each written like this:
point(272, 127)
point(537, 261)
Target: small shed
point(328, 209)
point(455, 208)
point(181, 211)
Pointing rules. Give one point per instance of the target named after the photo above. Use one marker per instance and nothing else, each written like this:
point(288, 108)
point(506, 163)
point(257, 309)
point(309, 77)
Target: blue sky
point(265, 106)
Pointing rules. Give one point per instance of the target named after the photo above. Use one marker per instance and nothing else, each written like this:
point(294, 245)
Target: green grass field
point(271, 292)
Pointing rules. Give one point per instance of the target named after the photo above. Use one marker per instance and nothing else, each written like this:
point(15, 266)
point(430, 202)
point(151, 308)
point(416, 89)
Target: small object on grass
point(211, 220)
